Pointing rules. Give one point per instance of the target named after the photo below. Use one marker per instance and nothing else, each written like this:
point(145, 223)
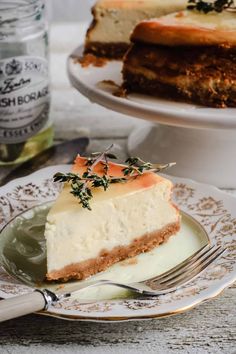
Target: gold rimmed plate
point(208, 215)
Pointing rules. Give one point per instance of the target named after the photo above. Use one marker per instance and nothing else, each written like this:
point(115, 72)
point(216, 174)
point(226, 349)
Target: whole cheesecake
point(114, 20)
point(124, 221)
point(187, 56)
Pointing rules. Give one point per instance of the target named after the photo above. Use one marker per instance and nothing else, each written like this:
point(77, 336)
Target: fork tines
point(187, 270)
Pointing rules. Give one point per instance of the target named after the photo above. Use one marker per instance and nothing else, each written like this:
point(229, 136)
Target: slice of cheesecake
point(125, 220)
point(187, 56)
point(114, 20)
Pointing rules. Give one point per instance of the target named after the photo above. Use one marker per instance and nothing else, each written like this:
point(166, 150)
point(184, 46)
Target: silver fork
point(164, 283)
point(41, 299)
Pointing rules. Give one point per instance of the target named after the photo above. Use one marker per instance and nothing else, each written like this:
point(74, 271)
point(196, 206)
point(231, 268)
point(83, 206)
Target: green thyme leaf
point(111, 156)
point(207, 6)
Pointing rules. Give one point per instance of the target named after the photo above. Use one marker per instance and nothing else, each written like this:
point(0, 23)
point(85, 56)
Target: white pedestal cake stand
point(201, 140)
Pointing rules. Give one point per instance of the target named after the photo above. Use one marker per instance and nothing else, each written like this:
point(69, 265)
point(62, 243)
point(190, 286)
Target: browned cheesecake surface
point(188, 28)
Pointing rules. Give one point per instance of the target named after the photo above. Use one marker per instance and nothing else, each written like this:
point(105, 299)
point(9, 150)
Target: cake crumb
point(118, 91)
point(90, 59)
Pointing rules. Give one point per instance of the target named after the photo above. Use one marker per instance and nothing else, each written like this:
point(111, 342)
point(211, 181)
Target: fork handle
point(25, 304)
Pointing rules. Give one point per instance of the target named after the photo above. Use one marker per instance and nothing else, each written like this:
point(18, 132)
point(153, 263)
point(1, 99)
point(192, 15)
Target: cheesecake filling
point(116, 25)
point(74, 237)
point(114, 20)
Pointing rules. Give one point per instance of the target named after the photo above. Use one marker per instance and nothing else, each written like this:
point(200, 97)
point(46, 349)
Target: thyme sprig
point(207, 6)
point(137, 167)
point(81, 186)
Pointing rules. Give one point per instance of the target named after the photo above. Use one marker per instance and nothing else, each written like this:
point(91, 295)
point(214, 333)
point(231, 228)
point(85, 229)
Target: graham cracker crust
point(106, 50)
point(91, 59)
point(209, 73)
point(112, 50)
point(107, 258)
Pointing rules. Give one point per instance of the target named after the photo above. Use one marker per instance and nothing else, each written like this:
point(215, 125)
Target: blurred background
point(72, 113)
point(69, 10)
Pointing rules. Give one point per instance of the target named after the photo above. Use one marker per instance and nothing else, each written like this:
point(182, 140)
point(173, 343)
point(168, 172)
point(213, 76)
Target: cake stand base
point(207, 155)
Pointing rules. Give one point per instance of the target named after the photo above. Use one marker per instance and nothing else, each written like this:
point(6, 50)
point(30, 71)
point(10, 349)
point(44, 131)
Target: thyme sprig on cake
point(207, 6)
point(81, 186)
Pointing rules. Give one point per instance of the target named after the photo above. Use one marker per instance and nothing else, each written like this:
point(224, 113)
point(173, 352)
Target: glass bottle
point(25, 127)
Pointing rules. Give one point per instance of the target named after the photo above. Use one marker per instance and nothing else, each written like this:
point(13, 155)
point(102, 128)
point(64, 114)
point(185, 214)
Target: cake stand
point(201, 140)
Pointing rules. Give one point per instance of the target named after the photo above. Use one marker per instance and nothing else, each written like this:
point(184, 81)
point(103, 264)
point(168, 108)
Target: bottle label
point(24, 98)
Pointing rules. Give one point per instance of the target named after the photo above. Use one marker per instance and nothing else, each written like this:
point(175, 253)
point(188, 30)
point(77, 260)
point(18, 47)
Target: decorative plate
point(209, 215)
point(88, 81)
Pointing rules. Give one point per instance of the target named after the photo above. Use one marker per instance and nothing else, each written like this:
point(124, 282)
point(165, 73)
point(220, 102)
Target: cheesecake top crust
point(146, 180)
point(188, 28)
